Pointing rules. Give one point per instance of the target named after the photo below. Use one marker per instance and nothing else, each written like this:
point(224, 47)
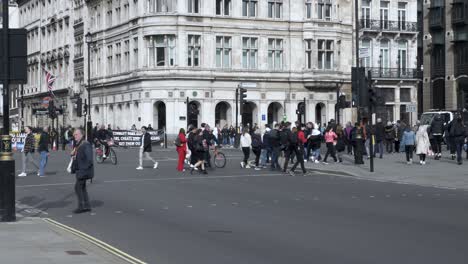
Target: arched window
point(403, 55)
point(385, 54)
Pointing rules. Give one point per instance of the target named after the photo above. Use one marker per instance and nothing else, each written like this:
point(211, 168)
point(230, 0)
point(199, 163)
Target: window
point(249, 8)
point(324, 9)
point(365, 14)
point(384, 14)
point(193, 6)
point(308, 6)
point(118, 57)
point(126, 62)
point(109, 60)
point(275, 54)
point(401, 16)
point(161, 50)
point(126, 14)
point(223, 52)
point(403, 56)
point(117, 15)
point(109, 18)
point(161, 6)
point(275, 8)
point(325, 54)
point(405, 95)
point(366, 61)
point(194, 50)
point(135, 53)
point(308, 53)
point(223, 7)
point(249, 53)
point(384, 54)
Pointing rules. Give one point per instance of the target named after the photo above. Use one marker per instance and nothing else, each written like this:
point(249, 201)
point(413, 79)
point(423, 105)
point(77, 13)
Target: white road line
point(157, 179)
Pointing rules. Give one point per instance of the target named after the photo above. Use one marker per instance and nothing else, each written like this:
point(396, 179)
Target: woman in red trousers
point(181, 149)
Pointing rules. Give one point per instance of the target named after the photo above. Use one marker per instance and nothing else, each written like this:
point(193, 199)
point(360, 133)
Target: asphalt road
point(246, 216)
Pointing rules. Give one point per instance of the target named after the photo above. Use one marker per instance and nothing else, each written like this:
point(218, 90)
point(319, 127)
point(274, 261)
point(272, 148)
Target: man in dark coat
point(83, 168)
point(145, 149)
point(437, 130)
point(43, 151)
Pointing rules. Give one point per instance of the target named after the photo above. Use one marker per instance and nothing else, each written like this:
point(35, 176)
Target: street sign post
point(411, 108)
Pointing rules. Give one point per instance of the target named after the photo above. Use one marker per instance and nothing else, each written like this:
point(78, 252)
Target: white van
point(427, 117)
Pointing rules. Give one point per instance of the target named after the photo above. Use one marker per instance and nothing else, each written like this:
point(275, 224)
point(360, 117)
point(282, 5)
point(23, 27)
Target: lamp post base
point(89, 131)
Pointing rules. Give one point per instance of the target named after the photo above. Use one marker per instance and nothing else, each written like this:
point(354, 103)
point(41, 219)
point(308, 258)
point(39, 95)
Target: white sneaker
point(242, 164)
point(423, 163)
point(155, 165)
point(305, 161)
point(247, 166)
point(257, 168)
point(104, 156)
point(411, 161)
point(23, 174)
point(139, 168)
point(191, 166)
point(317, 162)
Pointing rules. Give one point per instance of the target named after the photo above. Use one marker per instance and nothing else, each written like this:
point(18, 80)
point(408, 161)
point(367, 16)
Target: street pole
point(305, 110)
point(337, 108)
point(371, 142)
point(7, 163)
point(89, 126)
point(237, 110)
point(356, 24)
point(22, 107)
point(187, 113)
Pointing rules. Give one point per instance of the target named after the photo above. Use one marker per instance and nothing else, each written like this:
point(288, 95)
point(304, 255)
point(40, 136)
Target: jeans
point(287, 156)
point(409, 152)
point(28, 157)
point(263, 157)
point(438, 143)
point(389, 145)
point(257, 151)
point(225, 140)
point(330, 151)
point(459, 146)
point(299, 153)
point(43, 162)
point(233, 140)
point(147, 156)
point(82, 194)
point(379, 146)
point(274, 158)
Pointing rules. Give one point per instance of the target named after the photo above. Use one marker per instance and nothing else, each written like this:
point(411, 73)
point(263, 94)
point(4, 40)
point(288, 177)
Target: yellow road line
point(110, 249)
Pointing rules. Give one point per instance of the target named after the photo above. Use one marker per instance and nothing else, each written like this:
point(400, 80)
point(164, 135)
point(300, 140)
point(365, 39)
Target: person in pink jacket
point(330, 140)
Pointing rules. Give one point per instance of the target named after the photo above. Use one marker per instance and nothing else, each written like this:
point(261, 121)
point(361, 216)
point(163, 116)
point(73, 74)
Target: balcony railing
point(388, 25)
point(461, 69)
point(436, 17)
point(459, 13)
point(394, 73)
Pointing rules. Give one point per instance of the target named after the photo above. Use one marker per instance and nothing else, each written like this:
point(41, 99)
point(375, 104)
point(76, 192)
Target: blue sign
point(263, 117)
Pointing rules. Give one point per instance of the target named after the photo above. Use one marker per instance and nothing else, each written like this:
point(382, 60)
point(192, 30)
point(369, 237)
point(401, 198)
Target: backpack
point(293, 140)
point(284, 137)
point(256, 141)
point(178, 142)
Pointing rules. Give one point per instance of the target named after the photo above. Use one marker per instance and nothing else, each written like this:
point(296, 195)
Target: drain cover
point(75, 252)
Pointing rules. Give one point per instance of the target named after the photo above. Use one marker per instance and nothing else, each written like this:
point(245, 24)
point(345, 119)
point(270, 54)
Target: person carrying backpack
point(257, 147)
point(298, 143)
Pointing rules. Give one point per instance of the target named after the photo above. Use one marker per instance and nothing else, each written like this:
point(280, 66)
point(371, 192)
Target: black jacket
point(44, 142)
point(437, 126)
point(275, 138)
point(457, 130)
point(84, 168)
point(147, 142)
point(379, 132)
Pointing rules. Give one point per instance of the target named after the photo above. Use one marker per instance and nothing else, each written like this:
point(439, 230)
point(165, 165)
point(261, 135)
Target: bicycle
point(219, 158)
point(109, 154)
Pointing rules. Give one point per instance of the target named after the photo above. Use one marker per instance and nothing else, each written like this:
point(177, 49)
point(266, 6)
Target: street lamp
point(89, 125)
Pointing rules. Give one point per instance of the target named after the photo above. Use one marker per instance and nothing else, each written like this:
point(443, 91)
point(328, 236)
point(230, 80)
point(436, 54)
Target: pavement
point(34, 240)
point(443, 173)
point(235, 215)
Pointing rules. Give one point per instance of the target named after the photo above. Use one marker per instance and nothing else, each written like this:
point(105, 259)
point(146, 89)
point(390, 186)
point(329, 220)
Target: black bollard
point(7, 176)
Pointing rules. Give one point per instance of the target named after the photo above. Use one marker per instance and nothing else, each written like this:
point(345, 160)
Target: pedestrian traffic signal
point(242, 96)
point(79, 107)
point(300, 109)
point(342, 101)
point(52, 110)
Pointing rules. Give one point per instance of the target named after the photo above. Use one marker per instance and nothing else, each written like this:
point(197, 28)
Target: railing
point(394, 73)
point(461, 69)
point(388, 25)
point(459, 15)
point(436, 17)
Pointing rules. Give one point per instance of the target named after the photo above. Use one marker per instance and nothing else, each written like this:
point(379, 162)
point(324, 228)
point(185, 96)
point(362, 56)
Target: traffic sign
point(364, 53)
point(411, 108)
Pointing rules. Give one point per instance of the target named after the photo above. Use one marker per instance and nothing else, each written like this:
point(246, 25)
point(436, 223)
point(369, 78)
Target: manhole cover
point(75, 252)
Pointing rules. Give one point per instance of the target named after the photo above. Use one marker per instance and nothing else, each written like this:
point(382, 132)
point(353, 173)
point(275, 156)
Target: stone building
point(147, 58)
point(445, 45)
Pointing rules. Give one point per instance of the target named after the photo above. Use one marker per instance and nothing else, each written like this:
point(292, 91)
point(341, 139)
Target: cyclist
point(103, 135)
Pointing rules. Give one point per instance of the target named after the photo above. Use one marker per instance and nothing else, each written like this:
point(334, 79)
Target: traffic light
point(359, 86)
point(51, 108)
point(79, 107)
point(194, 109)
point(342, 101)
point(300, 109)
point(242, 96)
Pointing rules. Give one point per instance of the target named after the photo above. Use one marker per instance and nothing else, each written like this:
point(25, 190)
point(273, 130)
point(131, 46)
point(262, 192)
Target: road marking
point(158, 179)
point(213, 204)
point(110, 249)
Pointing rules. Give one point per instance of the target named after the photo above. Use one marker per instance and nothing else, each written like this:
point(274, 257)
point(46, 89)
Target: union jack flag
point(50, 79)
